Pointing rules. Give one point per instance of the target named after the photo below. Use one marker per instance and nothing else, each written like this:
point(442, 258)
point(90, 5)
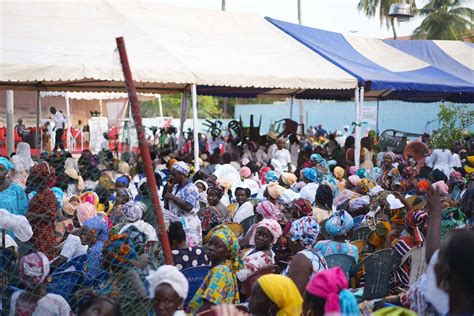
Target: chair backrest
point(417, 262)
point(247, 284)
point(345, 262)
point(360, 244)
point(378, 267)
point(361, 233)
point(66, 283)
point(247, 223)
point(358, 221)
point(195, 276)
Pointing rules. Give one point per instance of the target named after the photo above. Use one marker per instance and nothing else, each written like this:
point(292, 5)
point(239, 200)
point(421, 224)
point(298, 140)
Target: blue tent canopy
point(433, 53)
point(388, 72)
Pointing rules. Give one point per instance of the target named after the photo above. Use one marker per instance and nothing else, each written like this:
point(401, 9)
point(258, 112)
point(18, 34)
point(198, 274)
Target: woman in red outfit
point(42, 210)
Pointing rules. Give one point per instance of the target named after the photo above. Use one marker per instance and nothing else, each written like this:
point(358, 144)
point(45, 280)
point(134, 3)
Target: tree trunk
point(299, 12)
point(392, 23)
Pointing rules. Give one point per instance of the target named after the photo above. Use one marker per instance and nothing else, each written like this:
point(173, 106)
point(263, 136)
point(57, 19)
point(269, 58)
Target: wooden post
point(144, 150)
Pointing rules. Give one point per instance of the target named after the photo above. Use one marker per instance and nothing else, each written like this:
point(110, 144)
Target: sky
point(333, 15)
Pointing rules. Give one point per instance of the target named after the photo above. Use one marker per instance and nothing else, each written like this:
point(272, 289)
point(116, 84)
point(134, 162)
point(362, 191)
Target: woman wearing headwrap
point(168, 290)
point(42, 211)
point(308, 192)
point(245, 208)
point(94, 255)
point(35, 300)
point(275, 295)
point(84, 212)
point(267, 210)
point(337, 226)
point(390, 177)
point(216, 213)
point(72, 182)
point(23, 162)
point(323, 201)
point(414, 222)
point(266, 234)
point(306, 262)
point(220, 284)
point(133, 211)
point(12, 195)
point(124, 285)
point(327, 294)
point(273, 192)
point(182, 198)
point(287, 180)
point(340, 181)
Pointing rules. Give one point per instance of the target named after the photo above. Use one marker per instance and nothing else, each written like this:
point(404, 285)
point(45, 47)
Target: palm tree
point(445, 20)
point(371, 7)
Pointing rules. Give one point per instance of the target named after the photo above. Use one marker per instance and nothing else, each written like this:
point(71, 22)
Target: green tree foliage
point(445, 20)
point(455, 121)
point(208, 107)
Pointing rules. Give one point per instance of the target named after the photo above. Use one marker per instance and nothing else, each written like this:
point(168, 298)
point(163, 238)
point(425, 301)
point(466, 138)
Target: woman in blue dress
point(12, 195)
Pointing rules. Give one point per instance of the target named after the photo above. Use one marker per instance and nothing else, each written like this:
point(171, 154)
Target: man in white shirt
point(283, 155)
point(59, 124)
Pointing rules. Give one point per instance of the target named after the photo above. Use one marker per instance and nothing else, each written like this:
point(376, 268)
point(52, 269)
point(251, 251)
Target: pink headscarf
point(328, 284)
point(354, 180)
point(272, 226)
point(441, 187)
point(85, 211)
point(268, 210)
point(245, 172)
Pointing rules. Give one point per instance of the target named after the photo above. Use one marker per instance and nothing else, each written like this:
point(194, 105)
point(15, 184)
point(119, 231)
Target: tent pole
point(195, 127)
point(184, 101)
point(302, 113)
point(357, 128)
point(161, 106)
point(145, 151)
point(68, 115)
point(292, 101)
point(377, 118)
point(38, 111)
point(10, 123)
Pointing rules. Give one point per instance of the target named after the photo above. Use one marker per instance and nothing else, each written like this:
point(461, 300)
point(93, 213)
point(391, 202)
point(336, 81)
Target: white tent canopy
point(70, 45)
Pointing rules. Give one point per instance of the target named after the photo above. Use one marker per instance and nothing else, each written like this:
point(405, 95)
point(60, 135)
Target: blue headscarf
point(339, 223)
point(124, 180)
point(6, 163)
point(310, 174)
point(92, 266)
point(319, 160)
point(271, 176)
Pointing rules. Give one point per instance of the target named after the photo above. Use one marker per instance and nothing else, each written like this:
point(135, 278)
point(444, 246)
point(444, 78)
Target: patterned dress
point(190, 221)
point(219, 287)
point(42, 217)
point(330, 247)
point(14, 199)
point(254, 261)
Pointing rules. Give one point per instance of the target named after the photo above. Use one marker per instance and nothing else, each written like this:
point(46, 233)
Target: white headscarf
point(169, 275)
point(22, 158)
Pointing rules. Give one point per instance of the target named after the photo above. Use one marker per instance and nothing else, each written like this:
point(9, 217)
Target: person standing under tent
point(59, 125)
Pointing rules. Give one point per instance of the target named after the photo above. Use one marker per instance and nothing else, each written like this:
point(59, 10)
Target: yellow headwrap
point(338, 172)
point(275, 190)
point(282, 291)
point(288, 178)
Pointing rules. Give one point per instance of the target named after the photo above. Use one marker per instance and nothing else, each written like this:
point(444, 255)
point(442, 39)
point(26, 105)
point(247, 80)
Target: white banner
point(369, 114)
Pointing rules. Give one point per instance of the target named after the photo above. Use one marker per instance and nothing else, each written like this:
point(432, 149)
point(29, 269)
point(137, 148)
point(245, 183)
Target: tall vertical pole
point(68, 119)
point(223, 5)
point(144, 151)
point(10, 123)
point(357, 128)
point(377, 118)
point(292, 102)
point(161, 106)
point(38, 112)
point(299, 13)
point(184, 106)
point(195, 127)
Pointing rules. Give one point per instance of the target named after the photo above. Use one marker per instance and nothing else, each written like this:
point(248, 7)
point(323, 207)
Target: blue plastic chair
point(247, 223)
point(66, 283)
point(361, 233)
point(345, 262)
point(195, 276)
